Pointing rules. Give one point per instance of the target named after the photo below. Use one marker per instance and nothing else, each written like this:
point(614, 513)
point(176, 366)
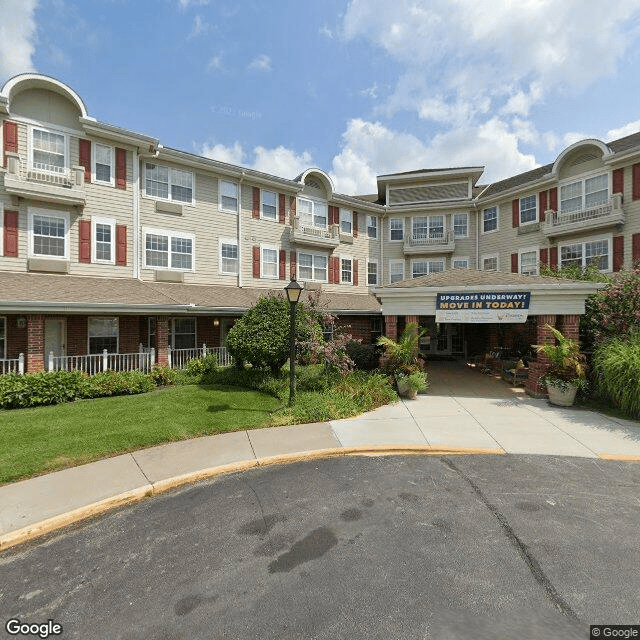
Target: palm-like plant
point(405, 350)
point(567, 364)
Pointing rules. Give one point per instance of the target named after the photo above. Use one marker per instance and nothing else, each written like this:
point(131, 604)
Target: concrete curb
point(49, 525)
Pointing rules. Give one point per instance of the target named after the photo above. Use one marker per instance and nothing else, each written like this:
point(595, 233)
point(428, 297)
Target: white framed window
point(166, 183)
point(229, 262)
point(396, 271)
point(372, 272)
point(49, 150)
point(490, 262)
point(596, 252)
point(3, 337)
point(528, 261)
point(424, 267)
point(227, 196)
point(346, 221)
point(268, 205)
point(428, 227)
point(313, 213)
point(584, 194)
point(183, 333)
point(268, 261)
point(490, 219)
point(372, 227)
point(102, 164)
point(48, 234)
point(103, 233)
point(103, 333)
point(460, 225)
point(528, 210)
point(346, 270)
point(396, 229)
point(312, 266)
point(327, 331)
point(168, 250)
point(460, 263)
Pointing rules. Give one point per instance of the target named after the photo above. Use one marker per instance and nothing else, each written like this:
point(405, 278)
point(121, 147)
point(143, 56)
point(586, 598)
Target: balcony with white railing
point(559, 223)
point(43, 182)
point(326, 237)
point(430, 243)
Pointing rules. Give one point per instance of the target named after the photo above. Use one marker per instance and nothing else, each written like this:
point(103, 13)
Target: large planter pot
point(404, 390)
point(561, 394)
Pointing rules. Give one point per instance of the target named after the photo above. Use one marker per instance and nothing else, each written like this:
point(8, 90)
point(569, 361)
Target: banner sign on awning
point(483, 307)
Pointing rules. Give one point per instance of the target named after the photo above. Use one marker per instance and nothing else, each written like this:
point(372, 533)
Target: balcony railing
point(46, 183)
point(178, 358)
point(430, 243)
point(315, 236)
point(560, 223)
point(12, 365)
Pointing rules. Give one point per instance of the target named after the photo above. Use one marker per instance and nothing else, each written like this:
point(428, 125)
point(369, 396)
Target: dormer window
point(313, 213)
point(49, 151)
point(584, 194)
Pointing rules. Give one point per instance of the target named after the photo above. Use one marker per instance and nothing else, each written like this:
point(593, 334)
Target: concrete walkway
point(463, 412)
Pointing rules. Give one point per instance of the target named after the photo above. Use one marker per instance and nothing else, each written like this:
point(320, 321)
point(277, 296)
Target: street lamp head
point(293, 290)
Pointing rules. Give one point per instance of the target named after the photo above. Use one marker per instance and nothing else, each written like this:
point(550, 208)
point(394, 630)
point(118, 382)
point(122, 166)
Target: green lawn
point(44, 439)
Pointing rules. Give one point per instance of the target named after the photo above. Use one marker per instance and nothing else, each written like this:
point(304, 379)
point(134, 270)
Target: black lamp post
point(293, 290)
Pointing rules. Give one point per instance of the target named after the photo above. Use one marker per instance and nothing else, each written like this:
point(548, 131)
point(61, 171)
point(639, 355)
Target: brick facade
point(539, 366)
point(35, 343)
point(359, 327)
point(391, 327)
point(162, 340)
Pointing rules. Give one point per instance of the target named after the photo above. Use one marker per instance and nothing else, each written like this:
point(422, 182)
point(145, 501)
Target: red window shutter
point(331, 270)
point(553, 199)
point(544, 257)
point(635, 178)
point(618, 180)
point(282, 208)
point(514, 263)
point(256, 202)
point(292, 269)
point(10, 137)
point(292, 207)
point(355, 224)
point(256, 262)
point(618, 252)
point(355, 273)
point(283, 264)
point(121, 169)
point(121, 245)
point(515, 213)
point(553, 260)
point(84, 158)
point(635, 248)
point(11, 234)
point(84, 233)
point(333, 215)
point(542, 201)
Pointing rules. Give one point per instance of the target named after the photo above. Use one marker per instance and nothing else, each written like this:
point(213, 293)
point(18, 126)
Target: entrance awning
point(548, 296)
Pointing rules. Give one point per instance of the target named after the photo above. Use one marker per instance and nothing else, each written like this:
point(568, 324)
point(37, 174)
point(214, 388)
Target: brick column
point(539, 366)
point(162, 340)
point(569, 326)
point(35, 343)
point(391, 327)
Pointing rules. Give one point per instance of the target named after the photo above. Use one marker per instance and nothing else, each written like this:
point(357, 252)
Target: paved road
point(357, 547)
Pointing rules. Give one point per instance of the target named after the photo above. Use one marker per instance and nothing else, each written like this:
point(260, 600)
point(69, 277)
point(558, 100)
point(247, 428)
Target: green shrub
point(367, 389)
point(117, 383)
point(35, 389)
point(203, 368)
point(250, 378)
point(162, 375)
point(312, 377)
point(366, 357)
point(616, 365)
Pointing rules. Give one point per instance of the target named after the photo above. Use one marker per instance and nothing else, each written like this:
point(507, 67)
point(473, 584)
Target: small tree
point(262, 336)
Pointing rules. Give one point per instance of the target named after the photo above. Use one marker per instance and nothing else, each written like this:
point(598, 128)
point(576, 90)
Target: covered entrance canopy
point(459, 299)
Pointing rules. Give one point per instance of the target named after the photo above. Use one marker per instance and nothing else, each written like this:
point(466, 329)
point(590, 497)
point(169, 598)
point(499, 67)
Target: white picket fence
point(12, 365)
point(178, 358)
point(97, 362)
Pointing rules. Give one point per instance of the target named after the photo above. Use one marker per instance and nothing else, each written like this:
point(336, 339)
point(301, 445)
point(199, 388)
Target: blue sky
point(357, 88)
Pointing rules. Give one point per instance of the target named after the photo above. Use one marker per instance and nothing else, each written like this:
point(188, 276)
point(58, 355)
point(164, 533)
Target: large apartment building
point(109, 240)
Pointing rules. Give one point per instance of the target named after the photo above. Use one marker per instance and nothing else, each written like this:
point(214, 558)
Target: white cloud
point(325, 31)
point(370, 92)
point(199, 27)
point(624, 130)
point(260, 63)
point(185, 4)
point(215, 64)
point(17, 36)
point(574, 136)
point(370, 149)
point(278, 161)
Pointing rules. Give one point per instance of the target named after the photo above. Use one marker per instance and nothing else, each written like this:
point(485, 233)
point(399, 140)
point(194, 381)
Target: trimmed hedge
point(117, 383)
point(35, 389)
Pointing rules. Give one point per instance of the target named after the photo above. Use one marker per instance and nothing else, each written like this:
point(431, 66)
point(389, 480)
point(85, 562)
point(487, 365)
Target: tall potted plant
point(400, 359)
point(567, 369)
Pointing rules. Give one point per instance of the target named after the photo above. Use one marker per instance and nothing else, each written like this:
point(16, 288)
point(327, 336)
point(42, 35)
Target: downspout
point(384, 216)
point(475, 206)
point(240, 229)
point(136, 215)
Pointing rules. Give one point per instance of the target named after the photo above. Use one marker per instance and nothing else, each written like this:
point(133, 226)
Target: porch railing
point(12, 365)
point(98, 362)
point(178, 358)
